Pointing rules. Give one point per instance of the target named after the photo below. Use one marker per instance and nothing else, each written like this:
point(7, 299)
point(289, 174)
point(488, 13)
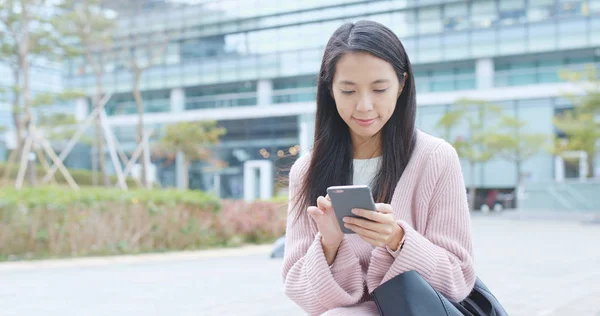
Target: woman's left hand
point(380, 230)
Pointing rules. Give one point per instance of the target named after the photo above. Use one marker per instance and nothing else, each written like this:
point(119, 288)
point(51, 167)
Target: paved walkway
point(534, 267)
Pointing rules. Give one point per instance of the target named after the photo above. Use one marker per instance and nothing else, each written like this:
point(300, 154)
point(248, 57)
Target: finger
point(361, 231)
point(327, 197)
point(368, 214)
point(384, 208)
point(366, 224)
point(323, 203)
point(313, 210)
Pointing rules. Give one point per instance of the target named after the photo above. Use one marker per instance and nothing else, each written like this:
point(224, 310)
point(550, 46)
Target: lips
point(364, 122)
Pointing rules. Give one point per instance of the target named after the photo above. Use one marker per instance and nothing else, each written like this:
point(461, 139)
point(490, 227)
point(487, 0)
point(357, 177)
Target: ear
point(405, 75)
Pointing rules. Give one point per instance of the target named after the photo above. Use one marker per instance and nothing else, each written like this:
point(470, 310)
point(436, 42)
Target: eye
point(381, 90)
point(347, 92)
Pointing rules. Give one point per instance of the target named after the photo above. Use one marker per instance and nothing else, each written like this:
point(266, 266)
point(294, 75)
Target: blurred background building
point(252, 66)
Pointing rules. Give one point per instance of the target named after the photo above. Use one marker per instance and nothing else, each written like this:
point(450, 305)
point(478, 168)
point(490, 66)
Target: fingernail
point(355, 211)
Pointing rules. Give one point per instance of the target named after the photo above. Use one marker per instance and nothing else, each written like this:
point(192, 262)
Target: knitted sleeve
point(442, 253)
point(308, 280)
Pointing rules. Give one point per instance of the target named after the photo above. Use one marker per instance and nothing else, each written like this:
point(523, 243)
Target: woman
point(365, 134)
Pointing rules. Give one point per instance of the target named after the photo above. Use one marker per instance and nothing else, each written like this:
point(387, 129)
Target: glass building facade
point(46, 77)
point(252, 65)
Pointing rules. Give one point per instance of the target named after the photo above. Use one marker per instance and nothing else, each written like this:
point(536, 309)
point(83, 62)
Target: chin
point(365, 132)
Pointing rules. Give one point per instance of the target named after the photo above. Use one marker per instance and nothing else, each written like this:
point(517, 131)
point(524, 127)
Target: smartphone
point(347, 197)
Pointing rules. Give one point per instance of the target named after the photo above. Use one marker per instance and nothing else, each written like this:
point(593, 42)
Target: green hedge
point(57, 222)
point(82, 177)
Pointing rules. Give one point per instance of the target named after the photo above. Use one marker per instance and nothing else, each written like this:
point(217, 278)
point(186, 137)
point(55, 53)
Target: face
point(365, 89)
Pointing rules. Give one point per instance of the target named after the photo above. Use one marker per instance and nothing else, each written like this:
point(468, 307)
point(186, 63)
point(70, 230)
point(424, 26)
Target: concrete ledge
point(133, 259)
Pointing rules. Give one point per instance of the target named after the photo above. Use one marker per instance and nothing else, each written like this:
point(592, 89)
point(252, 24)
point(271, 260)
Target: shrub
point(58, 222)
point(82, 177)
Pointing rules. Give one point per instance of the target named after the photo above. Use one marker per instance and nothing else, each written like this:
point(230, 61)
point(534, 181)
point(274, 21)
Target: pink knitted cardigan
point(430, 204)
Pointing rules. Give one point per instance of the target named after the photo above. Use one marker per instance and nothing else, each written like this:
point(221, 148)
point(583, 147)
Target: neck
point(365, 148)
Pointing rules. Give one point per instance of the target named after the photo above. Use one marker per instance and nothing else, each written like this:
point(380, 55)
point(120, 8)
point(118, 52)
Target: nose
point(365, 103)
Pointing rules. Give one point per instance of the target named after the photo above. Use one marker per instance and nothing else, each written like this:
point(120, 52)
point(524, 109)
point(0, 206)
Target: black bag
point(409, 294)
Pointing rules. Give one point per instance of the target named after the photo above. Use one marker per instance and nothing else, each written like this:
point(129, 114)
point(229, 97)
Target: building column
point(306, 132)
point(177, 100)
point(264, 91)
point(265, 180)
point(81, 109)
point(177, 104)
point(484, 70)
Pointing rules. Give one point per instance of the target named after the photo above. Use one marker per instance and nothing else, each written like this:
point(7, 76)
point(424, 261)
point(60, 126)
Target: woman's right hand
point(328, 226)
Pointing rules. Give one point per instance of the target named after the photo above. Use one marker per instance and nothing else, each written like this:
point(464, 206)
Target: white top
point(365, 170)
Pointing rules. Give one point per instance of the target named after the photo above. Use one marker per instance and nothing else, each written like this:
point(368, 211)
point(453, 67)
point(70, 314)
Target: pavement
point(544, 266)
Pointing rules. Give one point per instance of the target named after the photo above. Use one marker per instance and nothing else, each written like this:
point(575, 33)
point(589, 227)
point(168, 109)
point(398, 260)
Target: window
point(483, 13)
point(542, 36)
point(511, 12)
point(512, 39)
point(456, 16)
point(430, 20)
point(572, 33)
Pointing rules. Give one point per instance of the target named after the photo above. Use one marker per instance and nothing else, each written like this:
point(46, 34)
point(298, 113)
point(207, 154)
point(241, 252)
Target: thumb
point(324, 203)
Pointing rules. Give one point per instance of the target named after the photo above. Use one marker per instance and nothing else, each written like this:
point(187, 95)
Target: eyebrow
point(374, 82)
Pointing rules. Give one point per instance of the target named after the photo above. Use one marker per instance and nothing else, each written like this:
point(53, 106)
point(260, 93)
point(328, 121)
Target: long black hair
point(332, 154)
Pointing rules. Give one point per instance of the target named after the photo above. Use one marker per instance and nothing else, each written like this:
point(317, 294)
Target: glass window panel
point(398, 4)
point(289, 64)
point(594, 6)
point(595, 29)
point(455, 9)
point(483, 13)
point(456, 16)
point(533, 3)
point(572, 33)
point(456, 45)
point(512, 12)
point(506, 5)
point(522, 73)
point(548, 70)
point(485, 42)
point(354, 9)
point(404, 23)
point(542, 36)
point(385, 19)
point(512, 39)
point(430, 48)
point(540, 10)
point(580, 60)
point(379, 6)
point(442, 80)
point(430, 20)
point(570, 8)
point(410, 45)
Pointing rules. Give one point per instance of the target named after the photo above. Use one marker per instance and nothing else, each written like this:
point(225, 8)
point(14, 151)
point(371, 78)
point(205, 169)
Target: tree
point(91, 25)
point(192, 140)
point(26, 34)
point(581, 125)
point(514, 144)
point(475, 147)
point(142, 57)
point(57, 126)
